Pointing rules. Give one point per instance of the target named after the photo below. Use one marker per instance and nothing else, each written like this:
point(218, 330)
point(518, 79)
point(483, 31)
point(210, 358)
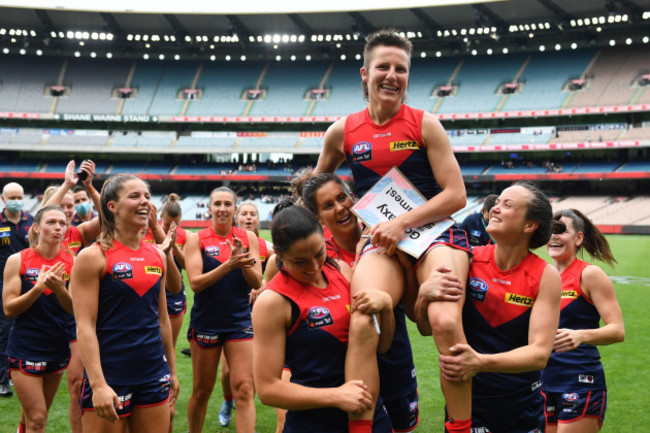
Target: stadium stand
point(146, 79)
point(25, 82)
point(545, 77)
point(223, 85)
point(91, 83)
point(515, 138)
point(287, 97)
point(425, 75)
point(623, 211)
point(478, 81)
point(176, 76)
point(345, 95)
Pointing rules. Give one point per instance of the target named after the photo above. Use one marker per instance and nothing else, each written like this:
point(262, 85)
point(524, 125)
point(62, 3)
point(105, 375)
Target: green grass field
point(625, 363)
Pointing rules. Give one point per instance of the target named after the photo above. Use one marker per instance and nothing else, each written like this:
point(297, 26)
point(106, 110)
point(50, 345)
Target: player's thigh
point(379, 272)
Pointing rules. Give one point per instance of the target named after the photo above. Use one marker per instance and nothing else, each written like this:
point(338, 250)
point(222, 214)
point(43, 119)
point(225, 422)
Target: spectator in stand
point(35, 294)
point(574, 379)
point(83, 207)
point(14, 229)
point(476, 224)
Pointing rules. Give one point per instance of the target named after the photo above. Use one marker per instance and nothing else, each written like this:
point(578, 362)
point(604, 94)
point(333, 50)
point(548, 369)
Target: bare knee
point(243, 390)
point(36, 420)
point(445, 325)
point(201, 393)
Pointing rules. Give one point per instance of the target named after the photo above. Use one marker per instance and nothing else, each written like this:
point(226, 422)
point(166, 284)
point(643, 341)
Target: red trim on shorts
point(20, 368)
point(239, 339)
point(152, 404)
point(178, 314)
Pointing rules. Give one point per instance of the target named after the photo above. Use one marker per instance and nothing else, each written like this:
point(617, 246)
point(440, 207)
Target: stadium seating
point(346, 96)
point(145, 80)
point(25, 81)
point(425, 75)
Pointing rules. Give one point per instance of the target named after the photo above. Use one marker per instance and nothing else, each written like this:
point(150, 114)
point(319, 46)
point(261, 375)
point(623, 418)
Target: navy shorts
point(211, 340)
point(566, 407)
point(454, 237)
point(176, 308)
point(152, 393)
point(510, 416)
point(36, 368)
point(404, 412)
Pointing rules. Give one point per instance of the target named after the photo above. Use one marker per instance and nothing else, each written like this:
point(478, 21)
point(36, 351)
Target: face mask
point(82, 208)
point(14, 206)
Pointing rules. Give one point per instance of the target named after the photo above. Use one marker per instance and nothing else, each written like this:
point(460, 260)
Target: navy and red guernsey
point(72, 241)
point(372, 150)
point(223, 306)
point(579, 369)
point(40, 332)
point(130, 344)
point(496, 319)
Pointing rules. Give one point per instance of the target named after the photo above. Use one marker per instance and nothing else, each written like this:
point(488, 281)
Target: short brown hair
point(386, 38)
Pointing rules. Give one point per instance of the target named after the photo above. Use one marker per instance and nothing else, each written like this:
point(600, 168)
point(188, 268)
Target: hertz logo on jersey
point(524, 301)
point(572, 294)
point(153, 270)
point(75, 244)
point(404, 145)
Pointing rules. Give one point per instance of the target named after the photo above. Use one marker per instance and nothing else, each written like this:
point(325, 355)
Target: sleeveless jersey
point(265, 252)
point(130, 344)
point(372, 150)
point(72, 241)
point(40, 332)
point(223, 306)
point(396, 368)
point(579, 369)
point(181, 238)
point(316, 344)
point(496, 315)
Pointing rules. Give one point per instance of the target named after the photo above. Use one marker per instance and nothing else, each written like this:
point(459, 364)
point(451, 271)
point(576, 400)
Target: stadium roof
point(449, 28)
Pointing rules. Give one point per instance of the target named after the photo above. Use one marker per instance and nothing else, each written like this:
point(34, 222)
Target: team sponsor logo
point(536, 385)
point(125, 399)
point(137, 259)
point(569, 294)
point(153, 270)
point(524, 301)
point(319, 317)
point(5, 229)
point(32, 274)
point(404, 145)
point(36, 365)
point(477, 289)
point(550, 409)
point(122, 271)
point(481, 430)
point(66, 276)
point(75, 244)
point(5, 232)
point(331, 298)
point(570, 399)
point(207, 339)
point(361, 151)
point(585, 378)
point(413, 407)
point(475, 233)
point(413, 373)
point(212, 250)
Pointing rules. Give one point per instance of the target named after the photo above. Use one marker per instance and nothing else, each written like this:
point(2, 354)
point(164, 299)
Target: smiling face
point(305, 258)
point(508, 216)
point(133, 204)
point(564, 246)
point(248, 218)
point(334, 209)
point(387, 75)
point(222, 208)
point(67, 204)
point(51, 228)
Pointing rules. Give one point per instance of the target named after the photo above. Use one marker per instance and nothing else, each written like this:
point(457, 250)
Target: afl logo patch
point(212, 250)
point(361, 151)
point(570, 399)
point(319, 317)
point(477, 289)
point(122, 271)
point(32, 273)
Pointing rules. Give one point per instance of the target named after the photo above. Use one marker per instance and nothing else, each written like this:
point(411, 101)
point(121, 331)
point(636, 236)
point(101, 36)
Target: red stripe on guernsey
point(215, 246)
point(31, 263)
point(140, 270)
point(72, 241)
point(327, 309)
point(511, 293)
point(571, 289)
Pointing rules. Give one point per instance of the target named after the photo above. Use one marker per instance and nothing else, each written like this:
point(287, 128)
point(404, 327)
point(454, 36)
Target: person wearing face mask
point(83, 211)
point(14, 229)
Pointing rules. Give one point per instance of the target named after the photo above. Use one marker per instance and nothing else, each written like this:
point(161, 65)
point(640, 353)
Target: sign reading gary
point(391, 196)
